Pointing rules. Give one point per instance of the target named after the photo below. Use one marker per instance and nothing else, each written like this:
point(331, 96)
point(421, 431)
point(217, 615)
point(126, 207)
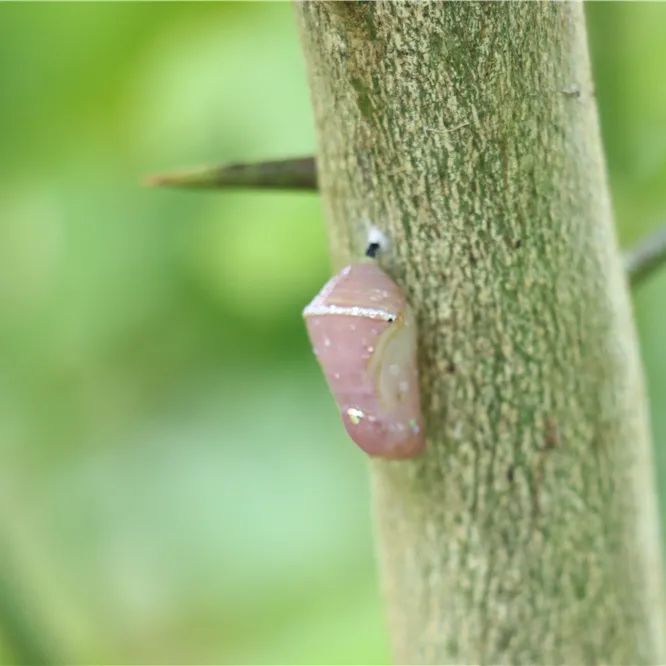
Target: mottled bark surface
point(468, 133)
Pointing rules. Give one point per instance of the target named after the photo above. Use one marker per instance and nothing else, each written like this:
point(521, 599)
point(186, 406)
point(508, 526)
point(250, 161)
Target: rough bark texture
point(468, 133)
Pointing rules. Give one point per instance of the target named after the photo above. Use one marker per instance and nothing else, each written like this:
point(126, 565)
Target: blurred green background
point(175, 485)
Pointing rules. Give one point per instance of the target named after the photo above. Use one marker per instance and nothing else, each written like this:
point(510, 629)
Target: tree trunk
point(527, 533)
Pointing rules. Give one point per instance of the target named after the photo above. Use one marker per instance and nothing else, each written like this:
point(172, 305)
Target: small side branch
point(288, 174)
point(643, 259)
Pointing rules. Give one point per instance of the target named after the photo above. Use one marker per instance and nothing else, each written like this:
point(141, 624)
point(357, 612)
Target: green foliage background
point(174, 483)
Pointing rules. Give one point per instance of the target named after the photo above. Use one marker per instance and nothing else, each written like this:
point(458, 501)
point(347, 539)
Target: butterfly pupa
point(364, 336)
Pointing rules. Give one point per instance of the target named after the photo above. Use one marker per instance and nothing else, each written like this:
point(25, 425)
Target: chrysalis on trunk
point(364, 335)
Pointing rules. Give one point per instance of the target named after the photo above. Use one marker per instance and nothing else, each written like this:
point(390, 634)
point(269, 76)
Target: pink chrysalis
point(364, 335)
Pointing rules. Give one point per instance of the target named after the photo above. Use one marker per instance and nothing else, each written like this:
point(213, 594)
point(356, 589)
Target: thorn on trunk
point(288, 174)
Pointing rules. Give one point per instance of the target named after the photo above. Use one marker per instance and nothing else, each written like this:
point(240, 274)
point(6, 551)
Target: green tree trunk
point(468, 133)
